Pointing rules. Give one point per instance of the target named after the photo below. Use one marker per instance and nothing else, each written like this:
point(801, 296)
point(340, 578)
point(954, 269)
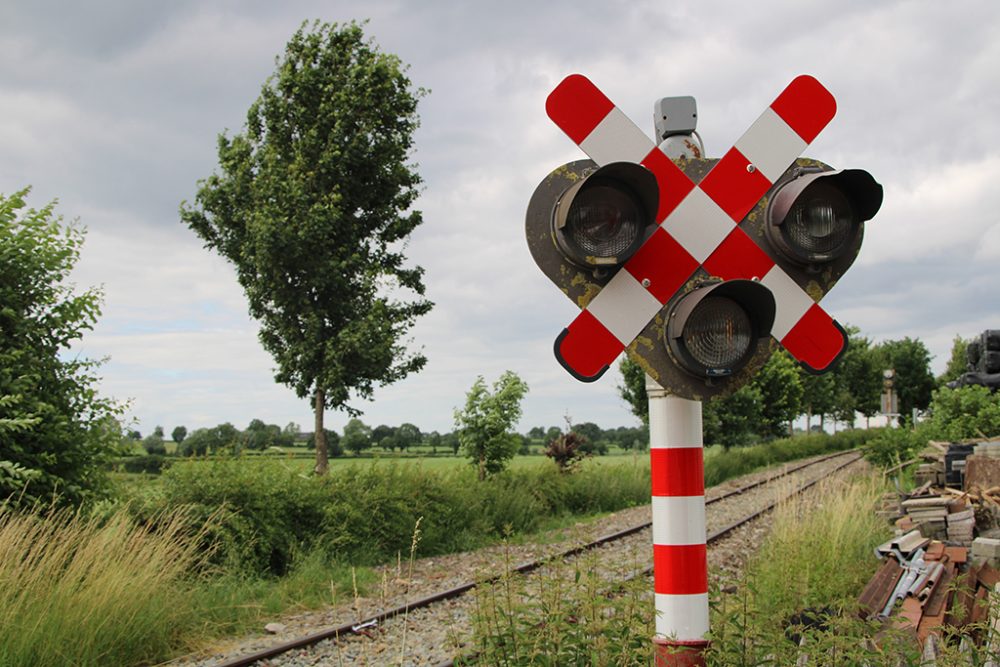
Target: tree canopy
point(56, 432)
point(485, 424)
point(313, 206)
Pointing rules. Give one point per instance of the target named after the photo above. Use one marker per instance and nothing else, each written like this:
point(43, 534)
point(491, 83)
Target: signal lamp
point(817, 217)
point(713, 331)
point(601, 220)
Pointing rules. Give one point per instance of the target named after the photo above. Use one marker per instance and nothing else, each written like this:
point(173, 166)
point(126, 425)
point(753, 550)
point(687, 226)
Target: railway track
point(631, 540)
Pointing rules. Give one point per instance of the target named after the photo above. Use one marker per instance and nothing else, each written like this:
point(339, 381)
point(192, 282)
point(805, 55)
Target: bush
point(152, 463)
point(967, 412)
point(894, 446)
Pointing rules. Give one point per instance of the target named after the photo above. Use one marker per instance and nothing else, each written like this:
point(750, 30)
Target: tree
point(819, 395)
point(407, 435)
point(914, 381)
point(733, 420)
point(153, 444)
point(859, 380)
point(178, 434)
point(56, 433)
point(780, 391)
point(958, 362)
point(357, 436)
point(313, 208)
point(633, 388)
point(383, 436)
point(484, 426)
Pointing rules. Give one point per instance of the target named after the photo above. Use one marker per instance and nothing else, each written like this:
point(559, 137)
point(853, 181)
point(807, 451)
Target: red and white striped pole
point(680, 566)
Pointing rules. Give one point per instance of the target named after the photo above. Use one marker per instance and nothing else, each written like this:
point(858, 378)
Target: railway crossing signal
point(696, 278)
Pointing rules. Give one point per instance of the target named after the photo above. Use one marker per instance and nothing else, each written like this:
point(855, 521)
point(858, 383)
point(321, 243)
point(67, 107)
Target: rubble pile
point(942, 570)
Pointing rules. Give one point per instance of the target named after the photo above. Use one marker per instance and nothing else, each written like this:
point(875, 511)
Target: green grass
point(78, 590)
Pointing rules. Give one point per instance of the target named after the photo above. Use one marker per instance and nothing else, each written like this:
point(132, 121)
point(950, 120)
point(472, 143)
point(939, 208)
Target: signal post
point(697, 268)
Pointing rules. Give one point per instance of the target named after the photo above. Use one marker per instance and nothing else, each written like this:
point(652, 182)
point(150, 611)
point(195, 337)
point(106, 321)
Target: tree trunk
point(809, 416)
point(482, 467)
point(319, 437)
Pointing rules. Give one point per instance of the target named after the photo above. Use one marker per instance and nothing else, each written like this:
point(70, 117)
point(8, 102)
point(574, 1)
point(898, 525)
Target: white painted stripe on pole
point(770, 145)
point(616, 139)
point(683, 423)
point(698, 224)
point(678, 520)
point(682, 617)
point(790, 300)
point(624, 307)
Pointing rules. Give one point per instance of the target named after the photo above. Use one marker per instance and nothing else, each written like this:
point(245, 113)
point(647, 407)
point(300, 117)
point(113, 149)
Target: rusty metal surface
point(876, 594)
point(649, 350)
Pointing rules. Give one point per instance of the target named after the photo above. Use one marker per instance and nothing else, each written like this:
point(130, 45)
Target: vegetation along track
point(431, 629)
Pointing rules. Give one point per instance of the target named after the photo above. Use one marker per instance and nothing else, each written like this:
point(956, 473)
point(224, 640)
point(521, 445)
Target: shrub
point(966, 412)
point(894, 446)
point(153, 464)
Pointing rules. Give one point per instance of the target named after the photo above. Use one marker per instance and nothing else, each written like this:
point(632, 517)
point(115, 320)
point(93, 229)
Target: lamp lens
point(718, 334)
point(604, 221)
point(821, 224)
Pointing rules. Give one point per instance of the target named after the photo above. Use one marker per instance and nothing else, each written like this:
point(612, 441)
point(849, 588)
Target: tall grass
point(815, 561)
point(80, 590)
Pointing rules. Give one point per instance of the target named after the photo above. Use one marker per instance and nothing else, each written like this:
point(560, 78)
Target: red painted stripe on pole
point(677, 471)
point(806, 106)
point(587, 348)
point(577, 106)
point(816, 340)
point(734, 186)
point(680, 569)
point(664, 263)
point(673, 183)
point(738, 257)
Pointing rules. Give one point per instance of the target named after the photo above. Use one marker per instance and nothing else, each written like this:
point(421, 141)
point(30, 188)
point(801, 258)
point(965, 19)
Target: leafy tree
point(452, 442)
point(914, 381)
point(633, 388)
point(589, 430)
point(210, 440)
point(178, 434)
point(434, 440)
point(313, 207)
point(291, 432)
point(859, 380)
point(819, 395)
point(333, 442)
point(153, 443)
point(484, 426)
point(407, 435)
point(734, 420)
point(384, 436)
point(553, 432)
point(56, 432)
point(357, 436)
point(781, 391)
point(958, 362)
point(538, 433)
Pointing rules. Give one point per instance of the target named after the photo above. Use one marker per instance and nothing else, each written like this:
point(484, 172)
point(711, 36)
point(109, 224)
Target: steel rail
point(715, 536)
point(356, 626)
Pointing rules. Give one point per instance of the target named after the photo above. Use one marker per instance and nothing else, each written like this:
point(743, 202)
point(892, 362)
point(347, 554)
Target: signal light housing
point(584, 222)
point(602, 219)
point(816, 216)
point(714, 330)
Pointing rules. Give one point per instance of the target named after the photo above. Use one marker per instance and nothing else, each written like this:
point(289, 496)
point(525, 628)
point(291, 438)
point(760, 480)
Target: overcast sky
point(114, 106)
